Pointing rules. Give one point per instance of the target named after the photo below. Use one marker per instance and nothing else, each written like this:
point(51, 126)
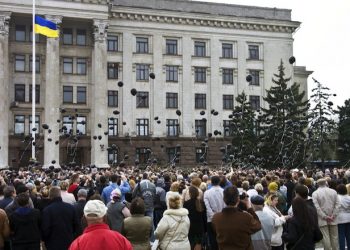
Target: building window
point(142, 99)
point(37, 124)
point(20, 63)
point(67, 94)
point(141, 45)
point(37, 93)
point(142, 72)
point(254, 102)
point(67, 125)
point(227, 124)
point(171, 100)
point(143, 154)
point(172, 73)
point(201, 128)
point(81, 95)
point(81, 66)
point(112, 98)
point(171, 47)
point(112, 43)
point(37, 64)
point(227, 50)
point(20, 35)
point(67, 36)
point(201, 155)
point(200, 101)
point(227, 101)
point(171, 153)
point(113, 126)
point(81, 37)
point(81, 125)
point(253, 52)
point(255, 77)
point(113, 157)
point(67, 65)
point(19, 124)
point(142, 127)
point(112, 70)
point(172, 126)
point(227, 76)
point(20, 93)
point(199, 48)
point(200, 74)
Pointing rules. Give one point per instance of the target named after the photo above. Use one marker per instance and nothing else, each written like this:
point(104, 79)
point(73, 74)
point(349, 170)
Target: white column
point(52, 98)
point(157, 94)
point(99, 155)
point(214, 95)
point(186, 120)
point(4, 92)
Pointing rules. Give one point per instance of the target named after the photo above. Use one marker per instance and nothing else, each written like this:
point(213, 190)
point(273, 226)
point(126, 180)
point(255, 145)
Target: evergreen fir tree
point(244, 133)
point(344, 133)
point(321, 125)
point(283, 123)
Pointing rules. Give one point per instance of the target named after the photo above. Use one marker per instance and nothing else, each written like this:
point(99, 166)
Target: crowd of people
point(227, 208)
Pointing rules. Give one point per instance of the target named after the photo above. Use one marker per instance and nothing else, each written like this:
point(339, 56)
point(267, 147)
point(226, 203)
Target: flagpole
point(33, 81)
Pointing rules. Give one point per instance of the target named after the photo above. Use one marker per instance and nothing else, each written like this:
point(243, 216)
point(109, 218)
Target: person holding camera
point(234, 227)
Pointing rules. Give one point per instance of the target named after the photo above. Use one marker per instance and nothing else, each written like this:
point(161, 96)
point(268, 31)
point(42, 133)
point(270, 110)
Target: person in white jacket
point(172, 230)
point(343, 218)
point(279, 219)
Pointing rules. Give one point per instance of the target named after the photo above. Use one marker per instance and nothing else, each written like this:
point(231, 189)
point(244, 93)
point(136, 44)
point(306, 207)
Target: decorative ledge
point(285, 28)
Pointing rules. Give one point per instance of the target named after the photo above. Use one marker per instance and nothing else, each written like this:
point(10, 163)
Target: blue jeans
point(149, 213)
point(344, 235)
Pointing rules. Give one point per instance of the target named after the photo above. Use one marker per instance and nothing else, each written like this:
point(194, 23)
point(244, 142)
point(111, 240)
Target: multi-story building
point(136, 74)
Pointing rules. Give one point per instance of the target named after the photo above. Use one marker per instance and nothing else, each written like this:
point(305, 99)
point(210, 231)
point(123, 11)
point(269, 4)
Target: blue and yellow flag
point(45, 27)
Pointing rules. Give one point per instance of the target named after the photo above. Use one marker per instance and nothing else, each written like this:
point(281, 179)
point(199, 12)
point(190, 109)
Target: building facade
point(149, 79)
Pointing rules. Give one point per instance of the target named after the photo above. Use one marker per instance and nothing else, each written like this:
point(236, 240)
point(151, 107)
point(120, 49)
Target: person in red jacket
point(98, 235)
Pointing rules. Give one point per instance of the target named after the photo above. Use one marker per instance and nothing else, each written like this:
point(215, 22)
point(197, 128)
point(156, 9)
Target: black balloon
point(56, 142)
point(53, 162)
point(291, 59)
point(116, 112)
point(216, 113)
point(45, 126)
point(158, 122)
point(49, 131)
point(95, 137)
point(152, 75)
point(156, 118)
point(178, 112)
point(120, 84)
point(249, 78)
point(99, 125)
point(124, 123)
point(133, 92)
point(202, 112)
point(99, 137)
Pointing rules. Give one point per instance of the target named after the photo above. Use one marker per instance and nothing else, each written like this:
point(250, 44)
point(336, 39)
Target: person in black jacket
point(59, 222)
point(302, 229)
point(25, 225)
point(197, 216)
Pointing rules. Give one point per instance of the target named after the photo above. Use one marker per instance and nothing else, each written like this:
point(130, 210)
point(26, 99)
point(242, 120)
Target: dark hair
point(54, 192)
point(288, 176)
point(231, 195)
point(8, 191)
point(301, 190)
point(301, 213)
point(114, 178)
point(137, 206)
point(194, 193)
point(22, 199)
point(215, 180)
point(341, 189)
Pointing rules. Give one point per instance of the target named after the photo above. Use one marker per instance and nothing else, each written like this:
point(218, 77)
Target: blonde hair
point(196, 182)
point(64, 185)
point(175, 187)
point(348, 188)
point(175, 202)
point(270, 198)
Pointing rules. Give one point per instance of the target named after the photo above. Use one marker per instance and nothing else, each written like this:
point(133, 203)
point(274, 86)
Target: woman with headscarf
point(116, 211)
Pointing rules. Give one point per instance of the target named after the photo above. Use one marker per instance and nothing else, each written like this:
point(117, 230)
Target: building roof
point(208, 8)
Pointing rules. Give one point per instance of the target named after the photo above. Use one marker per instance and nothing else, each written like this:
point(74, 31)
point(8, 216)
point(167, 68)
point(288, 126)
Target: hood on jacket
point(344, 200)
point(176, 212)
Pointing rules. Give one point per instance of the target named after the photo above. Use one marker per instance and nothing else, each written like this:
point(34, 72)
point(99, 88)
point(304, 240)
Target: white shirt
point(214, 201)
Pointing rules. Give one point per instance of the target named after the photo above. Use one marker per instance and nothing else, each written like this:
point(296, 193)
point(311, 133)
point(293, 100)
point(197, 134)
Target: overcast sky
point(322, 43)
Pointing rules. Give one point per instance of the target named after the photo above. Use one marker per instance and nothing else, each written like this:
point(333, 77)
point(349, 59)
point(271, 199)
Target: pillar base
point(102, 165)
point(46, 166)
point(4, 166)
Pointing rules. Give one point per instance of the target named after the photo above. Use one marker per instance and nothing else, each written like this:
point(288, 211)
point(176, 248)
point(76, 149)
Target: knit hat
point(273, 187)
point(95, 208)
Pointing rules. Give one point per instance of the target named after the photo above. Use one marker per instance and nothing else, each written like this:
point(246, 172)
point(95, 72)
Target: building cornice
point(214, 21)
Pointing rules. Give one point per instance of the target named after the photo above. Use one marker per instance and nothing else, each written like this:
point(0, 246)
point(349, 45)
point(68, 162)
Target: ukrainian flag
point(45, 27)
